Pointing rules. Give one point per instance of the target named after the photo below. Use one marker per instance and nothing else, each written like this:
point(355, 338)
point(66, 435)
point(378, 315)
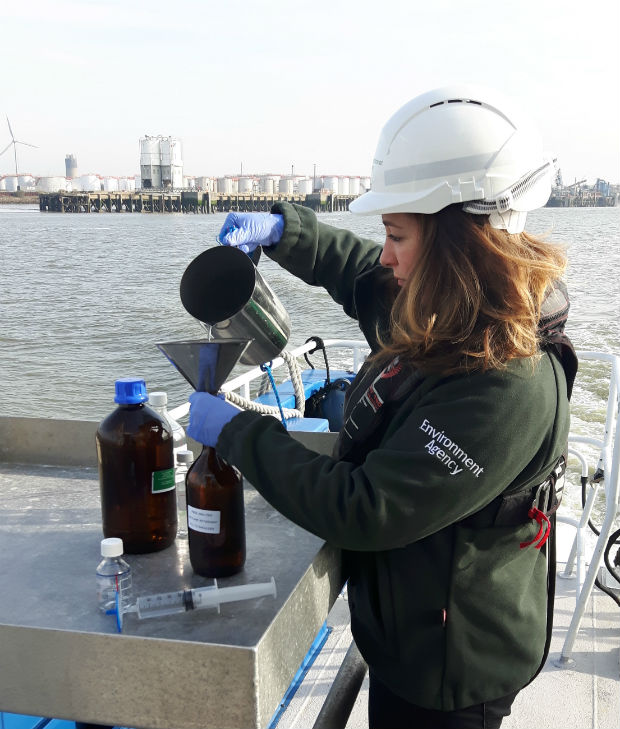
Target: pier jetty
point(185, 201)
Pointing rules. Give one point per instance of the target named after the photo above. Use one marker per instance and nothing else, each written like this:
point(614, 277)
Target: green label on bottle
point(163, 481)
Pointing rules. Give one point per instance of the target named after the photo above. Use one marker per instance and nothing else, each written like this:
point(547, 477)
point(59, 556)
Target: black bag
point(328, 401)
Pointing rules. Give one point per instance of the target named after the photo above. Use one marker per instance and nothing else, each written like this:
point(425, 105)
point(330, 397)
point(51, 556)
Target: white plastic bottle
point(159, 402)
point(113, 575)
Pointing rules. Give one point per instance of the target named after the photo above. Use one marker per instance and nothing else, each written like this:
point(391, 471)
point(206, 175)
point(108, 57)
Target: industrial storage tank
point(149, 151)
point(71, 168)
point(110, 184)
point(89, 183)
point(330, 183)
point(11, 183)
point(126, 184)
point(305, 185)
point(354, 185)
point(245, 184)
point(51, 184)
point(286, 185)
point(2, 183)
point(205, 183)
point(343, 185)
point(225, 185)
point(171, 161)
point(26, 182)
point(150, 162)
point(268, 184)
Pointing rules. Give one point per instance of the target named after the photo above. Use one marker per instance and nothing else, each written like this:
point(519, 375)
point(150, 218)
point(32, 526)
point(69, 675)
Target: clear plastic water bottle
point(159, 402)
point(113, 575)
point(184, 461)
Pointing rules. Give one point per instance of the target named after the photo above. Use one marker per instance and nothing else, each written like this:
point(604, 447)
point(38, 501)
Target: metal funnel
point(205, 363)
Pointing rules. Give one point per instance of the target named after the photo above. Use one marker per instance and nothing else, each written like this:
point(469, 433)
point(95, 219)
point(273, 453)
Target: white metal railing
point(609, 448)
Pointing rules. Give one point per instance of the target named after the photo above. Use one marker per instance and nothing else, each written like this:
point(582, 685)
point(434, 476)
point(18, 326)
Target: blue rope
point(267, 368)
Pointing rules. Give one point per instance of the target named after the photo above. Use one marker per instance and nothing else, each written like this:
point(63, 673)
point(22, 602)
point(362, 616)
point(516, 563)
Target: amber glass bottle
point(215, 516)
point(136, 472)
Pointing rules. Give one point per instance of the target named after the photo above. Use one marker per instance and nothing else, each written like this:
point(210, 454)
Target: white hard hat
point(459, 144)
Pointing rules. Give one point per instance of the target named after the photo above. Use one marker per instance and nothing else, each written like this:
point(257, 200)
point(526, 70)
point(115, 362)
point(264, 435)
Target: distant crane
point(558, 178)
point(575, 184)
point(15, 142)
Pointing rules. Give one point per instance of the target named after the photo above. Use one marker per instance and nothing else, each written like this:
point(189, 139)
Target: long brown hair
point(473, 299)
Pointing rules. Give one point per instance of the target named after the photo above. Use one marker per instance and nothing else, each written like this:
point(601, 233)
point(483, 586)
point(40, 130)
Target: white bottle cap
point(111, 547)
point(158, 398)
point(185, 457)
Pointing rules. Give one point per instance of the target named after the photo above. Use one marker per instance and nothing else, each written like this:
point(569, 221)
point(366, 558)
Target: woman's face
point(403, 241)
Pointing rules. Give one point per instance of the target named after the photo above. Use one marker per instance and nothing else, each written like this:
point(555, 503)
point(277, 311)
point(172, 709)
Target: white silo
point(354, 185)
point(110, 184)
point(268, 184)
point(51, 184)
point(171, 162)
point(305, 185)
point(2, 183)
point(245, 185)
point(71, 168)
point(11, 183)
point(150, 162)
point(224, 185)
point(343, 185)
point(26, 182)
point(90, 183)
point(330, 183)
point(265, 185)
point(286, 185)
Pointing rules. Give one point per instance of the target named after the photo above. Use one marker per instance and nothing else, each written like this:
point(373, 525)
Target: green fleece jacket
point(447, 608)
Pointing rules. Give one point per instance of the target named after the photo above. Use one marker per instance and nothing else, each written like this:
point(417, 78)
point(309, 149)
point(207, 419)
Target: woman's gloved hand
point(247, 231)
point(208, 414)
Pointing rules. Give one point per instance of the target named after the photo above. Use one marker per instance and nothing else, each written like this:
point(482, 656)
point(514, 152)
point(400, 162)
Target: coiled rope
point(286, 413)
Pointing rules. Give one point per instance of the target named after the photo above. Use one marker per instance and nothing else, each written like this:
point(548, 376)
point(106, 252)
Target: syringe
point(198, 598)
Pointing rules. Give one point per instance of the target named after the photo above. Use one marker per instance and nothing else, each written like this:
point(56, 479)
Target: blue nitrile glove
point(247, 231)
point(208, 414)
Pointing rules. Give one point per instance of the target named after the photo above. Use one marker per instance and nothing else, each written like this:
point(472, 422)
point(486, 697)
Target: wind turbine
point(15, 142)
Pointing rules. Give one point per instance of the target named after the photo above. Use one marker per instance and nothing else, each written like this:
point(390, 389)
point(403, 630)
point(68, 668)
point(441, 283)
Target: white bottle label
point(202, 520)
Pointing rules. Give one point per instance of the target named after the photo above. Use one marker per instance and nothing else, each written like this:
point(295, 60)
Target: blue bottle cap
point(130, 390)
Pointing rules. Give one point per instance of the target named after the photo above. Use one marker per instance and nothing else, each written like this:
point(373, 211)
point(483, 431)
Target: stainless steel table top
point(60, 657)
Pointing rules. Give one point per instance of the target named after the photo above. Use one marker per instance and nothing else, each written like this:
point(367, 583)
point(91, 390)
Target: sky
point(280, 86)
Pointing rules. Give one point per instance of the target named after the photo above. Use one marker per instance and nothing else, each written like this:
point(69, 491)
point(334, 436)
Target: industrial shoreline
point(195, 201)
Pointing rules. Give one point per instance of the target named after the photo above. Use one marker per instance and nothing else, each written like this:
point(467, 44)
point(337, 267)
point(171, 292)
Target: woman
point(441, 478)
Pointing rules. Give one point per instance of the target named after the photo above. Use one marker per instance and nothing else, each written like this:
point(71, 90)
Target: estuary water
point(84, 299)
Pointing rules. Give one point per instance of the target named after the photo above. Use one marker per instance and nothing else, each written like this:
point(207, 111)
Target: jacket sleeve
point(322, 255)
point(441, 459)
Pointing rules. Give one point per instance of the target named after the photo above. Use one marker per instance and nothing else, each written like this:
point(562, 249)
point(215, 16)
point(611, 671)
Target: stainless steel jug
point(223, 289)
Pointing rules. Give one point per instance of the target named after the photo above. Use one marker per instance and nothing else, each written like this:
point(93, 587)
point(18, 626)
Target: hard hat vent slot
point(456, 101)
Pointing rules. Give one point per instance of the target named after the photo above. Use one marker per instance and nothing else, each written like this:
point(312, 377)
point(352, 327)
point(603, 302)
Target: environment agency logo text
point(448, 452)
